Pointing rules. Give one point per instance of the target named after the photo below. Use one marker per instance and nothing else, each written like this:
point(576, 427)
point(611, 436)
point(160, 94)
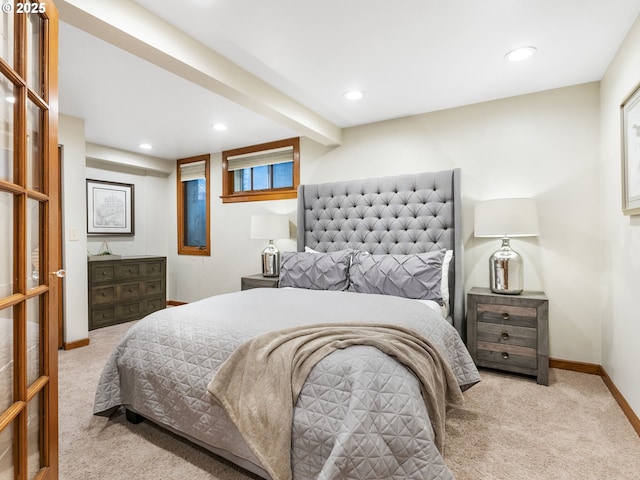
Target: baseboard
point(581, 367)
point(175, 303)
point(75, 344)
point(626, 408)
point(593, 369)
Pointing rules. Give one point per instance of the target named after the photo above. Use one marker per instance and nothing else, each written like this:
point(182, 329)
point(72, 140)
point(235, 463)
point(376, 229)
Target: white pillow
point(444, 287)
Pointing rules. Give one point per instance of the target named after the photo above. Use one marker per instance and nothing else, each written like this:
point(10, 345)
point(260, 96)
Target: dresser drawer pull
point(505, 336)
point(104, 273)
point(130, 289)
point(505, 316)
point(505, 355)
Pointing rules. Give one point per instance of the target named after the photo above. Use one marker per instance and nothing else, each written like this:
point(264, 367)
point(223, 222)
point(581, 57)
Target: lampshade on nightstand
point(506, 218)
point(270, 227)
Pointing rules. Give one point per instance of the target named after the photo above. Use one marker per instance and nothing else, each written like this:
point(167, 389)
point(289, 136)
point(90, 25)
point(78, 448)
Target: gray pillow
point(316, 271)
point(412, 276)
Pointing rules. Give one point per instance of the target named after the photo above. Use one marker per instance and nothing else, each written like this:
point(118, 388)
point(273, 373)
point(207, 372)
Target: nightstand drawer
point(507, 335)
point(507, 314)
point(500, 356)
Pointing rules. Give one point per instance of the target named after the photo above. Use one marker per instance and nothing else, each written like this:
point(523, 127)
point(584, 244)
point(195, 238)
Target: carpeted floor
point(509, 428)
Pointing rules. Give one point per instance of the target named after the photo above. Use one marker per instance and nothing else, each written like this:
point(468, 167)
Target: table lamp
point(270, 227)
point(505, 218)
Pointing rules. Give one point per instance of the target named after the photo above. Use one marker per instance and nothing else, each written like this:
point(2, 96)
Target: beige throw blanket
point(258, 385)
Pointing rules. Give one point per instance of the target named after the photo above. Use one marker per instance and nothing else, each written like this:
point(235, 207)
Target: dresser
point(258, 281)
point(125, 289)
point(509, 332)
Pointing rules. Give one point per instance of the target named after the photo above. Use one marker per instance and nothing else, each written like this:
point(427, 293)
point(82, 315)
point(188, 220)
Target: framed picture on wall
point(109, 208)
point(630, 117)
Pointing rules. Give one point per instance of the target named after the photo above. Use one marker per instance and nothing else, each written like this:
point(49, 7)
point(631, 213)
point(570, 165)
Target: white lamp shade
point(269, 227)
point(506, 217)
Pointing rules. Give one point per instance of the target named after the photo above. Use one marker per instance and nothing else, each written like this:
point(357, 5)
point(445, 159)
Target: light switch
point(73, 234)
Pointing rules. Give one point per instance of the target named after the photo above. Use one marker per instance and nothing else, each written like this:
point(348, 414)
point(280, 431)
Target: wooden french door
point(29, 238)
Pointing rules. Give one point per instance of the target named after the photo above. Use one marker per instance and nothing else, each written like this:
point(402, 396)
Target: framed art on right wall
point(630, 119)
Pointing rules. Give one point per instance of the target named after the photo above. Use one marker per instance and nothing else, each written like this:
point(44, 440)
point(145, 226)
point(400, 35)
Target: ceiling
point(297, 58)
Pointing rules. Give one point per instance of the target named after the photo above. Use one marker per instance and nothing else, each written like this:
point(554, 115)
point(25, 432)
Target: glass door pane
point(7, 102)
point(33, 340)
point(34, 227)
point(34, 52)
point(6, 37)
point(35, 170)
point(6, 245)
point(6, 453)
point(34, 436)
point(6, 361)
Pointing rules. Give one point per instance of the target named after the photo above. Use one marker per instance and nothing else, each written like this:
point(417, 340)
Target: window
point(193, 206)
point(269, 171)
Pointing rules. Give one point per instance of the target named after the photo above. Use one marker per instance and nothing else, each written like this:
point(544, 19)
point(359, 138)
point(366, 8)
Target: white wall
point(621, 266)
point(543, 145)
point(71, 137)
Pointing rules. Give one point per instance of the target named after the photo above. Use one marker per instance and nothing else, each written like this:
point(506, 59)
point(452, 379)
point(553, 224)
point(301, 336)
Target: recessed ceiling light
point(353, 95)
point(221, 127)
point(145, 146)
point(519, 54)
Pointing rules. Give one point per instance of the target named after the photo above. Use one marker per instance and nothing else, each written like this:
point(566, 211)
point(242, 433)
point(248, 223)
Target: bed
point(368, 250)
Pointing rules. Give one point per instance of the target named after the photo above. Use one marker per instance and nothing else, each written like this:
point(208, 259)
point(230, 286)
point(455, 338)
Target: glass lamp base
point(271, 261)
point(505, 267)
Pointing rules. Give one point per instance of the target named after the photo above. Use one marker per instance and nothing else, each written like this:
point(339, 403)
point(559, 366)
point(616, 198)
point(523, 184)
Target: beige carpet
point(509, 428)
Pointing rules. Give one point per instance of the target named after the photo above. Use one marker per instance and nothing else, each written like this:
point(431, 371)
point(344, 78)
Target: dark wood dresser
point(126, 289)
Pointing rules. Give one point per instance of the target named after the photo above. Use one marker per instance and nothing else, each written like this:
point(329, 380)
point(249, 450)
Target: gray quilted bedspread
point(360, 414)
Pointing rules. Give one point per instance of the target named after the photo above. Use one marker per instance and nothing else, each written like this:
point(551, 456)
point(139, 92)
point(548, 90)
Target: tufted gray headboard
point(399, 214)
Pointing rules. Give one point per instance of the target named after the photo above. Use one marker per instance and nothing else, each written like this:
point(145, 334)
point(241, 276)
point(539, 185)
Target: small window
point(193, 206)
point(269, 171)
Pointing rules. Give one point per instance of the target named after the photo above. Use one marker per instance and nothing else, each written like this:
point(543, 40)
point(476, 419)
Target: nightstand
point(509, 332)
point(258, 281)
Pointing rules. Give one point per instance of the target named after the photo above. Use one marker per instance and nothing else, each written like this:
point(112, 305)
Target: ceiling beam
point(132, 28)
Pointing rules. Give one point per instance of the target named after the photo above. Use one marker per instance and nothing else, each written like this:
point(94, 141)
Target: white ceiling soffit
point(136, 30)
